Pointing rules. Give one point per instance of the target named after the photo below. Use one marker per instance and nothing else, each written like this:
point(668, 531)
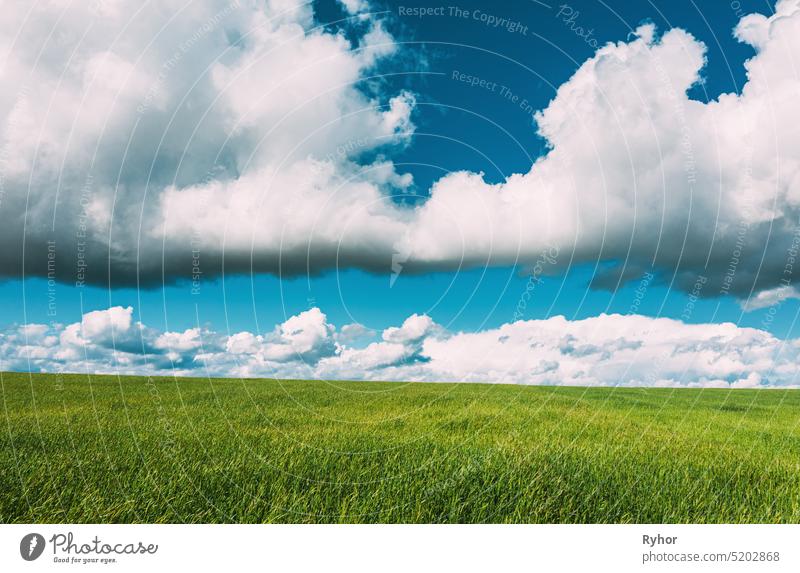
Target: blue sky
point(467, 301)
point(395, 170)
point(530, 66)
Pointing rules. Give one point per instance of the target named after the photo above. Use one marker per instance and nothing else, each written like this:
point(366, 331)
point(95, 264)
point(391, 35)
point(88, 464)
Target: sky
point(399, 190)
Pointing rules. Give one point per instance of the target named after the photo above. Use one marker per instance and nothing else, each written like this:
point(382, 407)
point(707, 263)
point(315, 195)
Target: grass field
point(108, 449)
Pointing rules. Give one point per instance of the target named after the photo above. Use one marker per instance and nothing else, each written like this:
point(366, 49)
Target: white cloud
point(353, 332)
point(101, 325)
point(243, 343)
point(771, 297)
point(229, 120)
point(185, 341)
point(414, 328)
point(354, 6)
point(610, 350)
point(357, 360)
point(305, 339)
point(639, 173)
point(33, 331)
point(606, 350)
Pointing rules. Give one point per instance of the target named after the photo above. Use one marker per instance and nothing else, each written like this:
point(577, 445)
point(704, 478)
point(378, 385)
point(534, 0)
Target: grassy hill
point(131, 449)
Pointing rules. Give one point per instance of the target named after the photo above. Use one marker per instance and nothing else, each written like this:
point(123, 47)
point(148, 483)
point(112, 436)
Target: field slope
point(106, 449)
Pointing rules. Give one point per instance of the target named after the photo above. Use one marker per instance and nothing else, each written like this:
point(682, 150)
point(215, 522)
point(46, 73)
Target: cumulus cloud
point(414, 328)
point(608, 350)
point(643, 176)
point(352, 332)
point(616, 350)
point(305, 337)
point(100, 325)
point(136, 134)
point(770, 297)
point(237, 130)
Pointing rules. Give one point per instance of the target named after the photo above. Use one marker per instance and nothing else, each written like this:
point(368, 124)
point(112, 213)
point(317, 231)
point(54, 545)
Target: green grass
point(129, 449)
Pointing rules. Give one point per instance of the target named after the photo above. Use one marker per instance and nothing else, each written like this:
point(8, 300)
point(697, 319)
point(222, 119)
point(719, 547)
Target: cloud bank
point(139, 136)
point(609, 350)
point(140, 133)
